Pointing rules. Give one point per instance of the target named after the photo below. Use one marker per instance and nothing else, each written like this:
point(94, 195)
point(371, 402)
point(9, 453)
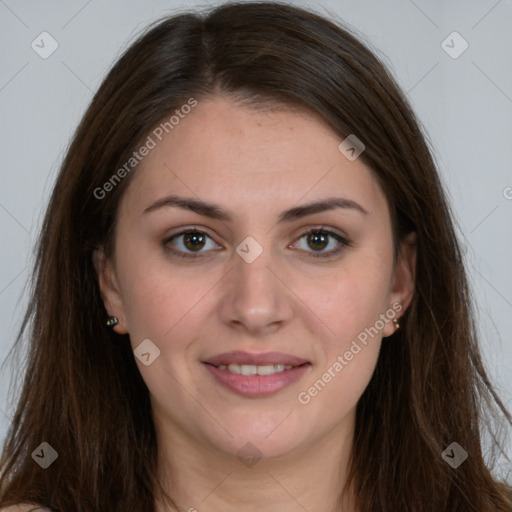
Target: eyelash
point(333, 252)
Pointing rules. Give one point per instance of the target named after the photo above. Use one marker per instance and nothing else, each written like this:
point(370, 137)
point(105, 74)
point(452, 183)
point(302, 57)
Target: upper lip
point(240, 357)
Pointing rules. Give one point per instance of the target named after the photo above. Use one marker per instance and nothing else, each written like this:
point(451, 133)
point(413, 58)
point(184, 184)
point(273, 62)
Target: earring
point(112, 321)
point(397, 325)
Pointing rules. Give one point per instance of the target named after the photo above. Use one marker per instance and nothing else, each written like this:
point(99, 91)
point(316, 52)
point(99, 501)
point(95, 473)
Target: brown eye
point(194, 240)
point(318, 241)
point(189, 243)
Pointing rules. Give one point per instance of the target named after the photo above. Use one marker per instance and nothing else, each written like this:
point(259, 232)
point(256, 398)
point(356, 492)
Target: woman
point(249, 293)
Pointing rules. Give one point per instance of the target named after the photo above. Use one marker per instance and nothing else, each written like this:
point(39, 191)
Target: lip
point(256, 386)
point(240, 357)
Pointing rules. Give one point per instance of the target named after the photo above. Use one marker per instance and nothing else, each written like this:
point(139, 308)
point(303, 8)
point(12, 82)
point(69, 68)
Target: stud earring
point(397, 325)
point(112, 321)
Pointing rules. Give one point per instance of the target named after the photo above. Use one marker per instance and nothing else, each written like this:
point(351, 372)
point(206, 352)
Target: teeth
point(235, 368)
point(246, 369)
point(269, 369)
point(251, 369)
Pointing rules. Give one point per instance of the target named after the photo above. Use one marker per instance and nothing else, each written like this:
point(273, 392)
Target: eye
point(189, 243)
point(319, 239)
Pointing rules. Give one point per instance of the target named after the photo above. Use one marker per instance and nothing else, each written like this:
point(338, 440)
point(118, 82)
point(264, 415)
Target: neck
point(201, 478)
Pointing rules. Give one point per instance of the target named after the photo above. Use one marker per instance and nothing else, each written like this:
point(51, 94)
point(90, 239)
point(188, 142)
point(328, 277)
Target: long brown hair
point(82, 392)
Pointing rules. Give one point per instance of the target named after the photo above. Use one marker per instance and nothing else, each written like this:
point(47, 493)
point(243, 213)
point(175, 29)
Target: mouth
point(256, 375)
point(252, 369)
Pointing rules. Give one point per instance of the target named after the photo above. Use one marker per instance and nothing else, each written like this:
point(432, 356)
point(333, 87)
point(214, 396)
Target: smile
point(251, 369)
point(256, 375)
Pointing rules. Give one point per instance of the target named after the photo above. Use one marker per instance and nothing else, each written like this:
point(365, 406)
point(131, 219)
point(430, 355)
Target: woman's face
point(249, 290)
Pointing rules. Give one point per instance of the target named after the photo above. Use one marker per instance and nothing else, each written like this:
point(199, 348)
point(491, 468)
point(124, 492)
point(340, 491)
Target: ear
point(109, 289)
point(403, 281)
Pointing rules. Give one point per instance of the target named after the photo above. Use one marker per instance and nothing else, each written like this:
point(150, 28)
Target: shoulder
point(24, 507)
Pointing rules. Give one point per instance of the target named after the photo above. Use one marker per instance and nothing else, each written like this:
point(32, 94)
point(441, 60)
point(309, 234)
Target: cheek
point(156, 294)
point(171, 306)
point(351, 306)
point(350, 299)
point(347, 356)
point(168, 307)
point(159, 302)
point(336, 389)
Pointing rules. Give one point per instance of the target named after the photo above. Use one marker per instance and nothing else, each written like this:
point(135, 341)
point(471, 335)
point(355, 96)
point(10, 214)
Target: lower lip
point(257, 386)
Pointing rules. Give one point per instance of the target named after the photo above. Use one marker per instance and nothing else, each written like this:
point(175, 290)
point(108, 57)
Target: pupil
point(318, 239)
point(195, 239)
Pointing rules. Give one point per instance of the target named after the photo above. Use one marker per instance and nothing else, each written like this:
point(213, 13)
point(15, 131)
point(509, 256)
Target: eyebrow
point(215, 211)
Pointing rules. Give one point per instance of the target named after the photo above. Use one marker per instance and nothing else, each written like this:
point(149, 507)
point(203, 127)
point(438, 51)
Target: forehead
point(247, 158)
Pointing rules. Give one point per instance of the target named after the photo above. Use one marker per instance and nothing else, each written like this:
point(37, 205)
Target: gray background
point(464, 103)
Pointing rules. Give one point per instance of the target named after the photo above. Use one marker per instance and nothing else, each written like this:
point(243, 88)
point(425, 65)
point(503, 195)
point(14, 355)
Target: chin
point(265, 437)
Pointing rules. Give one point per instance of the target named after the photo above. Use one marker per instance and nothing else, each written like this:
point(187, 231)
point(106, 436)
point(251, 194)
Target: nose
point(254, 299)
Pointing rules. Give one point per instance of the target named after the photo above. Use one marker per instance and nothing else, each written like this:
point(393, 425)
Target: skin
point(255, 164)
